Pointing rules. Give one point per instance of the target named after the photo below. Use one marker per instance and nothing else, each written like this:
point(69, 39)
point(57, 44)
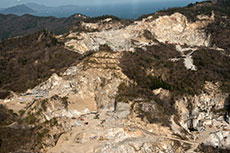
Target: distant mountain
point(42, 10)
point(124, 10)
point(18, 10)
point(37, 7)
point(13, 25)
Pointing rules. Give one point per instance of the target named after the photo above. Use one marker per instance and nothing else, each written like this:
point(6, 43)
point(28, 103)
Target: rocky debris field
point(158, 84)
point(172, 29)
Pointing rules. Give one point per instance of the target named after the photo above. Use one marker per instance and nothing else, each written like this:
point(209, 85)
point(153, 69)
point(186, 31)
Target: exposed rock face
point(81, 108)
point(205, 115)
point(82, 101)
point(102, 25)
point(176, 29)
point(173, 29)
point(188, 61)
point(93, 83)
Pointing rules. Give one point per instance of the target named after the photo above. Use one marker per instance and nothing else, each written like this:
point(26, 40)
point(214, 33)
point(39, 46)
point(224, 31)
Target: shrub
point(65, 101)
point(25, 62)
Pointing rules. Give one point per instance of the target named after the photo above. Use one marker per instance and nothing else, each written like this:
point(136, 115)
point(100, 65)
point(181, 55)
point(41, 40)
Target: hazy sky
point(8, 3)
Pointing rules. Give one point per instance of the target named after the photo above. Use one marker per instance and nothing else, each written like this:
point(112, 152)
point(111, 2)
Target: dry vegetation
point(16, 134)
point(26, 61)
point(77, 27)
point(13, 25)
point(211, 149)
point(212, 65)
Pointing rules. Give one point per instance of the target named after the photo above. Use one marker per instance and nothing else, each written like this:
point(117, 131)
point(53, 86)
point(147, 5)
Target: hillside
point(13, 25)
point(18, 9)
point(160, 83)
point(221, 2)
point(31, 60)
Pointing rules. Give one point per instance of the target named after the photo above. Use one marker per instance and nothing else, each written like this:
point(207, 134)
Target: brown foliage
point(211, 149)
point(13, 25)
point(26, 61)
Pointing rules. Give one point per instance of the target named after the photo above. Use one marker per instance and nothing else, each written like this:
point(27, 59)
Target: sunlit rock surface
point(83, 99)
point(172, 29)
